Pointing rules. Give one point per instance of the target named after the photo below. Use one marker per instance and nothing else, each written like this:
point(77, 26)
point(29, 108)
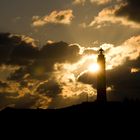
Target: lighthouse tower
point(101, 78)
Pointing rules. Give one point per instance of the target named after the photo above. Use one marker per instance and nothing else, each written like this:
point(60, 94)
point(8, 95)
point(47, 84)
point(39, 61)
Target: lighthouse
point(101, 78)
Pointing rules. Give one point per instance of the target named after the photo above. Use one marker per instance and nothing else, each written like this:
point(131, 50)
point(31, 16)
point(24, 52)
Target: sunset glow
point(94, 67)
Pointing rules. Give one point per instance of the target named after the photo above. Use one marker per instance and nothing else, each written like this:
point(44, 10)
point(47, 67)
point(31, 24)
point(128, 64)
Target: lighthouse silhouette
point(101, 78)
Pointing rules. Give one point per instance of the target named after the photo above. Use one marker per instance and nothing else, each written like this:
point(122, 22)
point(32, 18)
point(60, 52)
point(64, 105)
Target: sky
point(47, 48)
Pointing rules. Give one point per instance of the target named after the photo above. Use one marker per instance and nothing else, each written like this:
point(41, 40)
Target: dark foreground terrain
point(93, 114)
point(87, 107)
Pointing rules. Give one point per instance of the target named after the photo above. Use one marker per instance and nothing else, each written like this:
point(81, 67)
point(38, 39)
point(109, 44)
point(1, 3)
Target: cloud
point(116, 55)
point(98, 2)
point(49, 88)
point(73, 91)
point(43, 63)
point(60, 89)
point(57, 76)
point(3, 84)
point(79, 1)
point(89, 51)
point(43, 81)
point(88, 78)
point(60, 52)
point(129, 9)
point(109, 16)
point(23, 100)
point(129, 50)
point(50, 55)
point(125, 84)
point(59, 86)
point(55, 17)
point(11, 95)
point(123, 64)
point(124, 12)
point(135, 70)
point(23, 38)
point(16, 49)
point(20, 50)
point(18, 74)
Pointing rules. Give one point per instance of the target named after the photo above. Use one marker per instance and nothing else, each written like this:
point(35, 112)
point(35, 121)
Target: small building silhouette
point(101, 78)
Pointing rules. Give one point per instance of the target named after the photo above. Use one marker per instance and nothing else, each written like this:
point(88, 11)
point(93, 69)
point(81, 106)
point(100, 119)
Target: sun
point(94, 67)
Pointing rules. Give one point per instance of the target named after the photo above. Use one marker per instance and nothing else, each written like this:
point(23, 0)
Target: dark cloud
point(6, 45)
point(19, 74)
point(130, 9)
point(4, 100)
point(129, 80)
point(43, 65)
point(50, 54)
point(12, 99)
point(23, 54)
point(125, 83)
point(34, 63)
point(50, 88)
point(16, 49)
point(60, 52)
point(3, 84)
